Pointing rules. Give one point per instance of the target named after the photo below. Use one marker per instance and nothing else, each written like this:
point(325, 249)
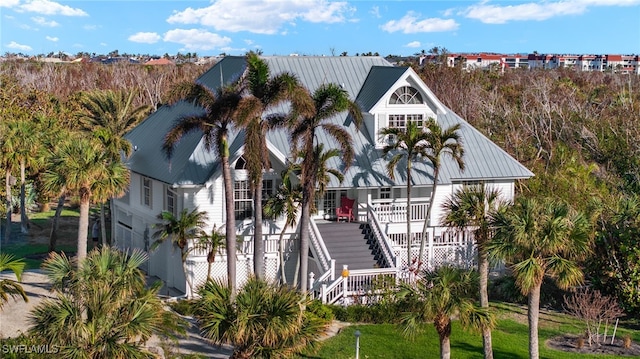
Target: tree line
point(574, 130)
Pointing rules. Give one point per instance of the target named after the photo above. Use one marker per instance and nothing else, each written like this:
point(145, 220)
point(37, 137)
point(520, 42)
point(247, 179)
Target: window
point(405, 95)
point(385, 193)
point(329, 202)
point(267, 190)
point(242, 199)
point(400, 121)
point(171, 201)
point(241, 164)
point(146, 191)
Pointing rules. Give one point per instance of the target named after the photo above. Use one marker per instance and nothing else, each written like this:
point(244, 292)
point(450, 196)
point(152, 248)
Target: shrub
point(184, 307)
point(321, 311)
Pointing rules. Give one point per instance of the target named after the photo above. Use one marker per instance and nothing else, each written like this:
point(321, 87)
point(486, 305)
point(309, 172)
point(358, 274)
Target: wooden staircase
point(348, 243)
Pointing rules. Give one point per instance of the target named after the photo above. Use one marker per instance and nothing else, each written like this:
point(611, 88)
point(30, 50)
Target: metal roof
point(365, 79)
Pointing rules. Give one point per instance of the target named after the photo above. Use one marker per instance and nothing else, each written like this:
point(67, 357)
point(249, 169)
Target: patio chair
point(346, 209)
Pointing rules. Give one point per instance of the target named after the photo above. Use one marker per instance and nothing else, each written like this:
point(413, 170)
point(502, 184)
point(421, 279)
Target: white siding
point(210, 199)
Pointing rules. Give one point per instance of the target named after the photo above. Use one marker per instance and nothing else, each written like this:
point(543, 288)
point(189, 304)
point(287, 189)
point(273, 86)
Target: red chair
point(346, 209)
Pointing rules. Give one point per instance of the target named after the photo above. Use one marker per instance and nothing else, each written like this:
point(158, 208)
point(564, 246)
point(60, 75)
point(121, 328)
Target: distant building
point(582, 62)
point(160, 61)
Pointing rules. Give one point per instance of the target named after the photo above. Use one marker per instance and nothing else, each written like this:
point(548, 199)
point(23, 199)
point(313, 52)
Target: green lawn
point(34, 253)
point(510, 340)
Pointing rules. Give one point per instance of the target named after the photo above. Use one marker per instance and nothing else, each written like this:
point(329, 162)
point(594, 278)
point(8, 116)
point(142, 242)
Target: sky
point(319, 27)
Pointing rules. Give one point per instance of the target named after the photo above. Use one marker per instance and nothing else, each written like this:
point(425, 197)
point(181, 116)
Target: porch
point(379, 230)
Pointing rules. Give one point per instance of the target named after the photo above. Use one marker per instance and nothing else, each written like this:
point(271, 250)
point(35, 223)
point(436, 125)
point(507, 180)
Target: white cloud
point(410, 24)
point(262, 17)
point(328, 12)
point(51, 38)
point(497, 14)
point(413, 44)
point(43, 22)
point(196, 39)
point(375, 11)
point(90, 27)
point(47, 7)
point(16, 46)
point(9, 3)
point(145, 37)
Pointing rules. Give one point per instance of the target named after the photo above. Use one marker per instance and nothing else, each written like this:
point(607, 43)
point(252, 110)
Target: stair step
point(348, 243)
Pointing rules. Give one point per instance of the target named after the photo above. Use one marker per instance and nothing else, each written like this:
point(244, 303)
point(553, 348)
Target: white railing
point(395, 211)
point(381, 241)
point(318, 246)
point(359, 285)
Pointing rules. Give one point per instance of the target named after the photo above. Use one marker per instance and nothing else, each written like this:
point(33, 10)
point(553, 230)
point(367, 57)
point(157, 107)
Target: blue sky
point(319, 27)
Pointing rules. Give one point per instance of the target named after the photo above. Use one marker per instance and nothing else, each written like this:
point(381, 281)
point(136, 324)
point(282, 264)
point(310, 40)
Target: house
point(388, 96)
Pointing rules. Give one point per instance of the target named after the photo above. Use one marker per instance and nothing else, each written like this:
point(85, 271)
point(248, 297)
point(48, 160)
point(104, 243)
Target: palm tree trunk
point(304, 239)
point(7, 228)
point(24, 221)
point(53, 236)
point(444, 334)
point(427, 217)
point(409, 215)
point(283, 277)
point(103, 225)
point(230, 225)
point(83, 227)
point(534, 316)
point(483, 269)
point(258, 241)
point(183, 258)
point(445, 348)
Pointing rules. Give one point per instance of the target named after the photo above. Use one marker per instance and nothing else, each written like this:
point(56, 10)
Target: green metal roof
point(366, 79)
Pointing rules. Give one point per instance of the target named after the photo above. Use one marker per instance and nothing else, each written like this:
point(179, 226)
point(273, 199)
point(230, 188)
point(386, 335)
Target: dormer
point(394, 96)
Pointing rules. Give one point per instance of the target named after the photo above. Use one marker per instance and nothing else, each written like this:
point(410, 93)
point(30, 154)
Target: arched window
point(241, 164)
point(405, 95)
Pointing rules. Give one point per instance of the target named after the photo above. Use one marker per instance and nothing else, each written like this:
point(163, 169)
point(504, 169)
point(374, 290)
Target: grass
point(35, 253)
point(510, 339)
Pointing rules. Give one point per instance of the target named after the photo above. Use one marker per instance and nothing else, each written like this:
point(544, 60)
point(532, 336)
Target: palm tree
point(285, 202)
point(264, 321)
point(181, 230)
point(410, 144)
point(109, 115)
point(214, 243)
point(441, 142)
point(27, 154)
point(78, 165)
point(14, 157)
point(470, 207)
point(329, 101)
point(438, 296)
point(114, 183)
point(102, 309)
point(220, 114)
point(537, 240)
point(10, 287)
point(265, 93)
point(8, 162)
